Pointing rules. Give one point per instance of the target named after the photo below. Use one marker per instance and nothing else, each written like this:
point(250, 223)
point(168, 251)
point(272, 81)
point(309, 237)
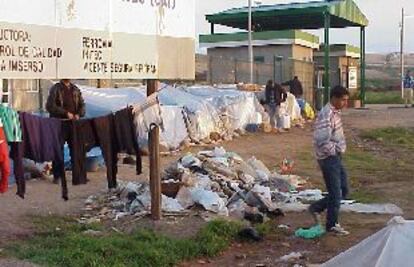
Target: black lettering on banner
point(134, 1)
point(170, 4)
point(96, 55)
point(26, 66)
point(96, 67)
point(3, 66)
point(41, 52)
point(14, 35)
point(24, 51)
point(7, 51)
point(96, 43)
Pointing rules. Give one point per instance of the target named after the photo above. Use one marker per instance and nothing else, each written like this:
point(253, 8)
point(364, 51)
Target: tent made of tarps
point(391, 246)
point(187, 112)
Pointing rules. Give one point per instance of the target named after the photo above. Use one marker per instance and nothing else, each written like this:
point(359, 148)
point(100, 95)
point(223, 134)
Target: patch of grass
point(384, 97)
point(264, 228)
point(362, 167)
point(393, 136)
point(364, 196)
point(69, 246)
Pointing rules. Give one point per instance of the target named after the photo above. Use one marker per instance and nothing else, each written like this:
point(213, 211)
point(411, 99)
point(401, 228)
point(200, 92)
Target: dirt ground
point(43, 197)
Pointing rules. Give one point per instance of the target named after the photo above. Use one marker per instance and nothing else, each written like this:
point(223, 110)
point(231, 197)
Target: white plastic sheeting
point(175, 130)
point(193, 112)
point(100, 102)
point(392, 246)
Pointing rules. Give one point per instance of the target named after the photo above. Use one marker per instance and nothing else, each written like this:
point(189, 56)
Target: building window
point(5, 91)
point(32, 86)
point(259, 59)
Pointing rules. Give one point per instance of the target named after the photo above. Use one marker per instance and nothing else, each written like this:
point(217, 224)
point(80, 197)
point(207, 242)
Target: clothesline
point(114, 133)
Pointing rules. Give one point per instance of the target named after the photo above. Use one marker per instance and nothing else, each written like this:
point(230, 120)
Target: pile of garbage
point(220, 182)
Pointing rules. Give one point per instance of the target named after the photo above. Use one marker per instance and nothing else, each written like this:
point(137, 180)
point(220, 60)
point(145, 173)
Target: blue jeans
point(336, 182)
point(273, 111)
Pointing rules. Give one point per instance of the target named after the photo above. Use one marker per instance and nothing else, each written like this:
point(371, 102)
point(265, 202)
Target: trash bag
point(309, 112)
point(311, 233)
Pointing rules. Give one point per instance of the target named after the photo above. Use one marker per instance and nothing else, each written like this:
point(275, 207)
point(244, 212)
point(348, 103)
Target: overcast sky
point(382, 33)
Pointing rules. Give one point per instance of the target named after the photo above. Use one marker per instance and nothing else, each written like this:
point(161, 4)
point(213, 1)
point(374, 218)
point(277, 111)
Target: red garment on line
point(4, 162)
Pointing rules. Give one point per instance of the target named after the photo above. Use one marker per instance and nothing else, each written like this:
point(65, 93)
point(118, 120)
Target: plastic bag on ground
point(211, 201)
point(311, 233)
point(171, 204)
point(262, 171)
point(184, 197)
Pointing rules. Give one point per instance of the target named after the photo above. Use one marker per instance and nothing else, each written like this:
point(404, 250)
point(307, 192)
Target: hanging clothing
point(4, 163)
point(11, 124)
point(105, 131)
point(42, 141)
point(83, 140)
point(126, 137)
point(89, 133)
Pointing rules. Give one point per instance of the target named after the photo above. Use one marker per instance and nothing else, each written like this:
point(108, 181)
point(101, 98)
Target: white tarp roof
point(192, 112)
point(392, 246)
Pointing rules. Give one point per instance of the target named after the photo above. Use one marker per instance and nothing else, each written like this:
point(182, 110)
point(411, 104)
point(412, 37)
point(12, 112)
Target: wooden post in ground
point(154, 155)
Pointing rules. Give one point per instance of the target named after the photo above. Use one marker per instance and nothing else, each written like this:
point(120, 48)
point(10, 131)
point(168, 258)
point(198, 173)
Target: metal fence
point(230, 71)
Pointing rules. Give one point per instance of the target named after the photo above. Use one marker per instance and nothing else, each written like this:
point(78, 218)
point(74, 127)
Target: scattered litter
point(91, 232)
point(171, 204)
point(223, 184)
point(184, 198)
point(311, 233)
point(90, 200)
point(121, 215)
point(211, 201)
point(88, 220)
point(253, 215)
point(310, 195)
point(373, 208)
point(292, 257)
point(241, 256)
point(283, 226)
point(116, 230)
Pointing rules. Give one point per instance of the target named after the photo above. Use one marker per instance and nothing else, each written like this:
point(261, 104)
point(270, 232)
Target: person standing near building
point(408, 89)
point(330, 145)
point(274, 97)
point(64, 102)
point(295, 86)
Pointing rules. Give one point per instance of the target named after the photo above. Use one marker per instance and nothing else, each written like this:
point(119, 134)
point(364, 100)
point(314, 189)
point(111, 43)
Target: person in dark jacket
point(65, 102)
point(295, 86)
point(275, 95)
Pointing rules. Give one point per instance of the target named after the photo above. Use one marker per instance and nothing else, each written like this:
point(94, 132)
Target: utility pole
point(402, 53)
point(250, 41)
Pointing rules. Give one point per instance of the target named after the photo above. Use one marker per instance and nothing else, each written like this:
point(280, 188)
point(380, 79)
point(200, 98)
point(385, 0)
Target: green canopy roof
point(310, 15)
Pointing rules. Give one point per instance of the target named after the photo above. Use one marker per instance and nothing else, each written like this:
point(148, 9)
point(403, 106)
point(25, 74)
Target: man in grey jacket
point(65, 102)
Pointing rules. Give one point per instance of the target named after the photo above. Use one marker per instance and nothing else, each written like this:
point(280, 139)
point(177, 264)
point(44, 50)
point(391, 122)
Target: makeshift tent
point(392, 246)
point(187, 112)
